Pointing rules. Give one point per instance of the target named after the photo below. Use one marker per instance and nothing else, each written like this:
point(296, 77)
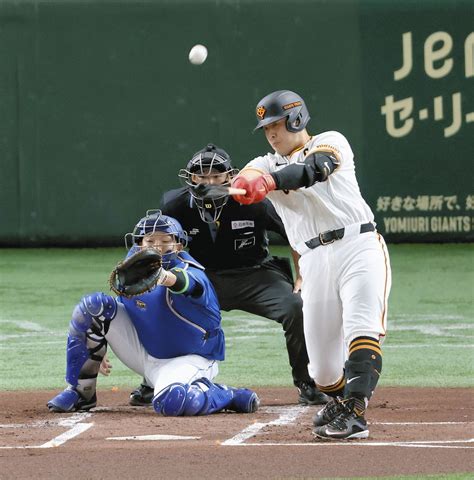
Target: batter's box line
point(358, 443)
point(288, 415)
point(76, 429)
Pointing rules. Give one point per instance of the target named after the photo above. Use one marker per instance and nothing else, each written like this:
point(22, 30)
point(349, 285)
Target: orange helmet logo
point(261, 112)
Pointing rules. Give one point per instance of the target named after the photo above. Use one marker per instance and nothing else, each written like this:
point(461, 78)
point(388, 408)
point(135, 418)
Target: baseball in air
point(198, 54)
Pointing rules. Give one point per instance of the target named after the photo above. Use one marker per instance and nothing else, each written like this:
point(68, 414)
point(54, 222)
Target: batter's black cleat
point(348, 425)
point(330, 411)
point(309, 394)
point(70, 400)
point(141, 396)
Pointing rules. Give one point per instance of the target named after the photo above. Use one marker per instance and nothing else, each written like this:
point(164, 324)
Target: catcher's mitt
point(137, 274)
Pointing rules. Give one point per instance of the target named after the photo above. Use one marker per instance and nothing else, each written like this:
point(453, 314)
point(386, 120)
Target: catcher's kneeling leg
point(203, 397)
point(86, 347)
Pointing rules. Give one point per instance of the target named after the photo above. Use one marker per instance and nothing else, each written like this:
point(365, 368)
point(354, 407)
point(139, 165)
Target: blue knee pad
point(187, 400)
point(170, 401)
point(96, 306)
point(179, 399)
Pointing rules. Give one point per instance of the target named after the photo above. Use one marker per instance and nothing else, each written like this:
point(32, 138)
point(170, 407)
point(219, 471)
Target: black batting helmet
point(208, 161)
point(281, 104)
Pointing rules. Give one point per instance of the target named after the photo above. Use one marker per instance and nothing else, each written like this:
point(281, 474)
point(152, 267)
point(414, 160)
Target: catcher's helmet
point(281, 104)
point(208, 161)
point(156, 222)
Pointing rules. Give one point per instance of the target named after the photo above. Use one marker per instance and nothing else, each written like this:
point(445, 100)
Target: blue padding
point(170, 401)
point(195, 401)
point(218, 397)
point(81, 320)
point(76, 355)
point(96, 305)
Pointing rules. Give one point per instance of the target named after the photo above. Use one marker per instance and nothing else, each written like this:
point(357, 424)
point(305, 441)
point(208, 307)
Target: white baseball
point(198, 54)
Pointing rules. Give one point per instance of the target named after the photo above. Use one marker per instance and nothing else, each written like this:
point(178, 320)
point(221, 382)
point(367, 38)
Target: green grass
point(429, 340)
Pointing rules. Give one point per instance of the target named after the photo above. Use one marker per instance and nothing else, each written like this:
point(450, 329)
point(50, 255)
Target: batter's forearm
point(316, 168)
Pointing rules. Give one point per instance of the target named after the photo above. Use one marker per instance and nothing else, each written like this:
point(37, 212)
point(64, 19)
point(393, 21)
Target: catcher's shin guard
point(221, 397)
point(363, 368)
point(203, 397)
point(86, 344)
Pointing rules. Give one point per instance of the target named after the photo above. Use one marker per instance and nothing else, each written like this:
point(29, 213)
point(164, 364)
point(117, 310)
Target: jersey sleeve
point(264, 164)
point(197, 278)
point(336, 143)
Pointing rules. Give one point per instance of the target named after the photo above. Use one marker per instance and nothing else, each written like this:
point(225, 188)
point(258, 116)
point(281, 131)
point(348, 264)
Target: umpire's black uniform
point(234, 251)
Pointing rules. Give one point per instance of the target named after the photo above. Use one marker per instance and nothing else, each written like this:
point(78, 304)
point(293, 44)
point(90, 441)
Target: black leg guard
point(363, 368)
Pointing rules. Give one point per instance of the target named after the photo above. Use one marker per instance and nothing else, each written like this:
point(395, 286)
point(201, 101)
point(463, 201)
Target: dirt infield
point(413, 431)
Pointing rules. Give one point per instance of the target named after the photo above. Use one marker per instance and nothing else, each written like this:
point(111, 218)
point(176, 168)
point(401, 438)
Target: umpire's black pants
point(267, 290)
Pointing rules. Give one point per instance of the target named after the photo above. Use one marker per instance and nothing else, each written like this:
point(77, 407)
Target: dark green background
point(100, 107)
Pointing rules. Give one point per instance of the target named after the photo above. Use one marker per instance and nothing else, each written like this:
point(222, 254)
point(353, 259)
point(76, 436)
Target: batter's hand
point(241, 182)
point(257, 189)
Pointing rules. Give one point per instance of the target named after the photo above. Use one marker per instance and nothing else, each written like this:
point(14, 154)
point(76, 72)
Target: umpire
point(231, 241)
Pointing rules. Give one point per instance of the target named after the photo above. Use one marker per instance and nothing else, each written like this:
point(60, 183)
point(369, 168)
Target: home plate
point(154, 437)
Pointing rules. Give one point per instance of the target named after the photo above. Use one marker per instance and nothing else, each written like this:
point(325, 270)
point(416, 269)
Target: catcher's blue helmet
point(156, 222)
point(281, 104)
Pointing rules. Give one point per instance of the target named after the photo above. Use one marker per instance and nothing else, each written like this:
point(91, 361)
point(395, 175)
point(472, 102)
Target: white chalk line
point(76, 428)
point(288, 415)
point(154, 438)
point(417, 424)
point(358, 443)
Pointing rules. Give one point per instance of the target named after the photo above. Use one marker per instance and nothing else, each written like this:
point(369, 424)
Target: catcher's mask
point(205, 165)
point(281, 104)
point(156, 222)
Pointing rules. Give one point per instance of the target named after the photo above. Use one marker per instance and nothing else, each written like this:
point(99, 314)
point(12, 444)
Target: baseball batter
point(344, 261)
point(171, 335)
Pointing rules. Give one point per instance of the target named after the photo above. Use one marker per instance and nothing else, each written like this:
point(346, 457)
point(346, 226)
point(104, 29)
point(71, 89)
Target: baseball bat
point(236, 191)
point(214, 191)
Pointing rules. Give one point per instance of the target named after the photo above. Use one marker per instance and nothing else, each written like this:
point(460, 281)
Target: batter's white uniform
point(346, 283)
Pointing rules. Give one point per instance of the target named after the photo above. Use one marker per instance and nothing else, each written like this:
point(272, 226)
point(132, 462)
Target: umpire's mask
point(211, 165)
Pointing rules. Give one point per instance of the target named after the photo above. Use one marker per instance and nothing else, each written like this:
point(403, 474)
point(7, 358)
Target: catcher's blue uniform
point(171, 325)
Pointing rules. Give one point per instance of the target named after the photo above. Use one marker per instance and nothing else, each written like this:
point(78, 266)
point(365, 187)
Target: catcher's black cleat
point(309, 394)
point(329, 412)
point(349, 424)
point(141, 396)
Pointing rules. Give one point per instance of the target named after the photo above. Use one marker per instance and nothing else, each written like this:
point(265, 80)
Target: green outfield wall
point(99, 106)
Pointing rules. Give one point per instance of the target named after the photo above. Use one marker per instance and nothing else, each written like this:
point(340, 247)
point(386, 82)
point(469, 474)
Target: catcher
point(165, 325)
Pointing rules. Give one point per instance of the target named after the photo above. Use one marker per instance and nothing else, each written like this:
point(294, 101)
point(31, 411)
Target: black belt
point(325, 238)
